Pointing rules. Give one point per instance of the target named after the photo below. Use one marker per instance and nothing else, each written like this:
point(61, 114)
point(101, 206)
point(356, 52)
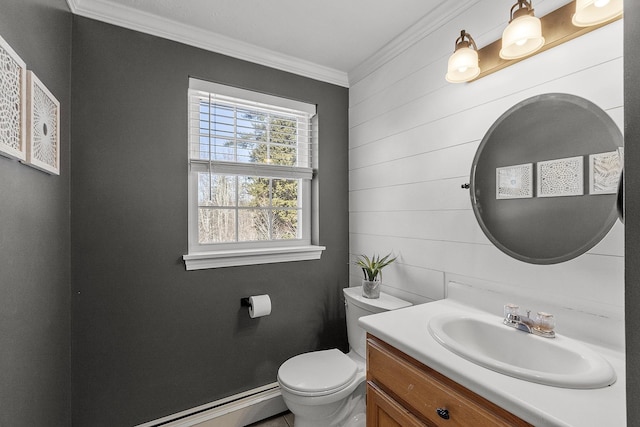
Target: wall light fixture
point(558, 27)
point(463, 63)
point(593, 12)
point(523, 35)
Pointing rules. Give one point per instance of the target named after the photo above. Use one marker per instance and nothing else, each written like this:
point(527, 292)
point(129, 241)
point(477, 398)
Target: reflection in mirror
point(620, 201)
point(545, 177)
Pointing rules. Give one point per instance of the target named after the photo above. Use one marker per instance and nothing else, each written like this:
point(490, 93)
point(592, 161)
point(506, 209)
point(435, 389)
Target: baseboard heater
point(234, 411)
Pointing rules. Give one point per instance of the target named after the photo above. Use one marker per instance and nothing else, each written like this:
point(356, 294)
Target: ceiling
point(330, 40)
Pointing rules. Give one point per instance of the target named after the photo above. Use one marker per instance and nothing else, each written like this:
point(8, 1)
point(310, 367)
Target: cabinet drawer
point(383, 411)
point(424, 391)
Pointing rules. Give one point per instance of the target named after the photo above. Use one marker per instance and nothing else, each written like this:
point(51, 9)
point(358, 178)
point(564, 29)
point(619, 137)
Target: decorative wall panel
point(604, 172)
point(12, 102)
point(514, 182)
point(43, 127)
point(561, 177)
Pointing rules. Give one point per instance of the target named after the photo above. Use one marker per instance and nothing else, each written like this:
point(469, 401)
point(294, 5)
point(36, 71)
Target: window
point(250, 175)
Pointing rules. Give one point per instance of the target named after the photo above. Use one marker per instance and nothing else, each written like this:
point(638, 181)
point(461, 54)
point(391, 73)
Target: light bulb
point(522, 37)
point(463, 65)
point(595, 12)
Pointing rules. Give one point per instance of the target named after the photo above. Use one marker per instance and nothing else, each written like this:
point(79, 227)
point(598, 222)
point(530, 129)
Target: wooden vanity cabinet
point(402, 392)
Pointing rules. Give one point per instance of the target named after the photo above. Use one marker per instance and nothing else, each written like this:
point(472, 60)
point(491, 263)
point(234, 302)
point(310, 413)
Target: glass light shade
point(463, 65)
point(522, 37)
point(594, 12)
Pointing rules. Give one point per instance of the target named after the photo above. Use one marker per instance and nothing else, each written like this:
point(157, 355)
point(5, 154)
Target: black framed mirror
point(542, 186)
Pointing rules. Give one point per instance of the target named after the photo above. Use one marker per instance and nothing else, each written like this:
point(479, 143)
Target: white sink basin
point(559, 361)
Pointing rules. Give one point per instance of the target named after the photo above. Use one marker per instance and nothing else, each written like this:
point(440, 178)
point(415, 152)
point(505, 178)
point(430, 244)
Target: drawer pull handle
point(443, 413)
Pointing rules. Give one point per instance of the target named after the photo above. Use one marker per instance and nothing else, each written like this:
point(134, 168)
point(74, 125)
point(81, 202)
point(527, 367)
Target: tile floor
point(281, 420)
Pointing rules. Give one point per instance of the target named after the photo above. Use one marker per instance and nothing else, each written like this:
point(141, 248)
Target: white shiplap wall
point(413, 137)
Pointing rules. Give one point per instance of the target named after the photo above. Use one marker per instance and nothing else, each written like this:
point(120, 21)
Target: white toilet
point(327, 388)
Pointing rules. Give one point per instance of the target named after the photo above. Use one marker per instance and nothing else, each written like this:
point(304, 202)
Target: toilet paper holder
point(258, 305)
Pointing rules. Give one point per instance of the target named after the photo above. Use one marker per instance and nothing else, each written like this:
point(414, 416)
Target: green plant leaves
point(372, 267)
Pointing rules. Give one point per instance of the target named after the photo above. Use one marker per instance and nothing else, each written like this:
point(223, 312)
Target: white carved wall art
point(561, 177)
point(43, 127)
point(514, 182)
point(12, 103)
point(604, 172)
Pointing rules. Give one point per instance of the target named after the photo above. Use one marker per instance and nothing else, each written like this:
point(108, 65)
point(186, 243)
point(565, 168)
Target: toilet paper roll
point(259, 305)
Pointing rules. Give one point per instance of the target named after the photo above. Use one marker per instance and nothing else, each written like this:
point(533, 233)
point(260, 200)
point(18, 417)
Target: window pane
point(209, 148)
point(226, 133)
point(222, 149)
point(254, 191)
point(204, 190)
point(222, 110)
point(284, 193)
point(283, 155)
point(222, 117)
point(222, 129)
point(265, 208)
point(253, 224)
point(216, 225)
point(252, 125)
point(250, 152)
point(285, 224)
point(283, 130)
point(216, 190)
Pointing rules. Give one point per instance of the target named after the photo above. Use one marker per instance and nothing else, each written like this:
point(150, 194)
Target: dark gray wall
point(34, 238)
point(150, 338)
point(632, 200)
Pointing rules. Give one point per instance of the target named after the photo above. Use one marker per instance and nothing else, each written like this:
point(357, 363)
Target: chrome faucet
point(542, 325)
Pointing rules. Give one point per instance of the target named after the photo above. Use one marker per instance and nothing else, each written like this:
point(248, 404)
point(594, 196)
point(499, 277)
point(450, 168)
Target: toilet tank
point(357, 306)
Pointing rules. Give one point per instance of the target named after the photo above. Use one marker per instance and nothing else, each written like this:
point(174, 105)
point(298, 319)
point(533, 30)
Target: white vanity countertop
point(540, 405)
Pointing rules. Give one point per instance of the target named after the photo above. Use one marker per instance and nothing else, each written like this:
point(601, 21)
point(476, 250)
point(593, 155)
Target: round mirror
point(545, 177)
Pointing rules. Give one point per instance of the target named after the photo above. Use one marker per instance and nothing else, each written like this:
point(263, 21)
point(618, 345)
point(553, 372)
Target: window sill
point(237, 257)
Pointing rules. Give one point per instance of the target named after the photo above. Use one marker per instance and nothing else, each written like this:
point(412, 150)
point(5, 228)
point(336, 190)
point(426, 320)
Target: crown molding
point(72, 5)
point(133, 19)
point(426, 25)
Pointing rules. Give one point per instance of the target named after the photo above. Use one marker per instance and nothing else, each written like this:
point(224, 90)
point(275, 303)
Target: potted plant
point(372, 269)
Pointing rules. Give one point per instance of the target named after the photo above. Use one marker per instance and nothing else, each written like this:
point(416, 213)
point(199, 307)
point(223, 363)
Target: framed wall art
point(12, 103)
point(514, 182)
point(604, 172)
point(43, 127)
point(561, 177)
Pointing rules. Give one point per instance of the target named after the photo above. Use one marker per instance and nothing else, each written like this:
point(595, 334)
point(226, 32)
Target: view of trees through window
point(240, 208)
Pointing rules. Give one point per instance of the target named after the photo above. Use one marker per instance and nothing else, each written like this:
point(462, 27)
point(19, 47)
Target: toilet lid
point(318, 373)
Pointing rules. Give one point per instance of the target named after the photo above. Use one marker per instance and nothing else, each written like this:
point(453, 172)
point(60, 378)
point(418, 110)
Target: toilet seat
point(318, 373)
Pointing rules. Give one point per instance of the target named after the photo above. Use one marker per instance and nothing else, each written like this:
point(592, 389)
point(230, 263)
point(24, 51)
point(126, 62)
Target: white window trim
point(237, 257)
point(262, 98)
point(230, 255)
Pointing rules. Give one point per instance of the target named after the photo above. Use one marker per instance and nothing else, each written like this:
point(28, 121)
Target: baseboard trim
point(234, 411)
